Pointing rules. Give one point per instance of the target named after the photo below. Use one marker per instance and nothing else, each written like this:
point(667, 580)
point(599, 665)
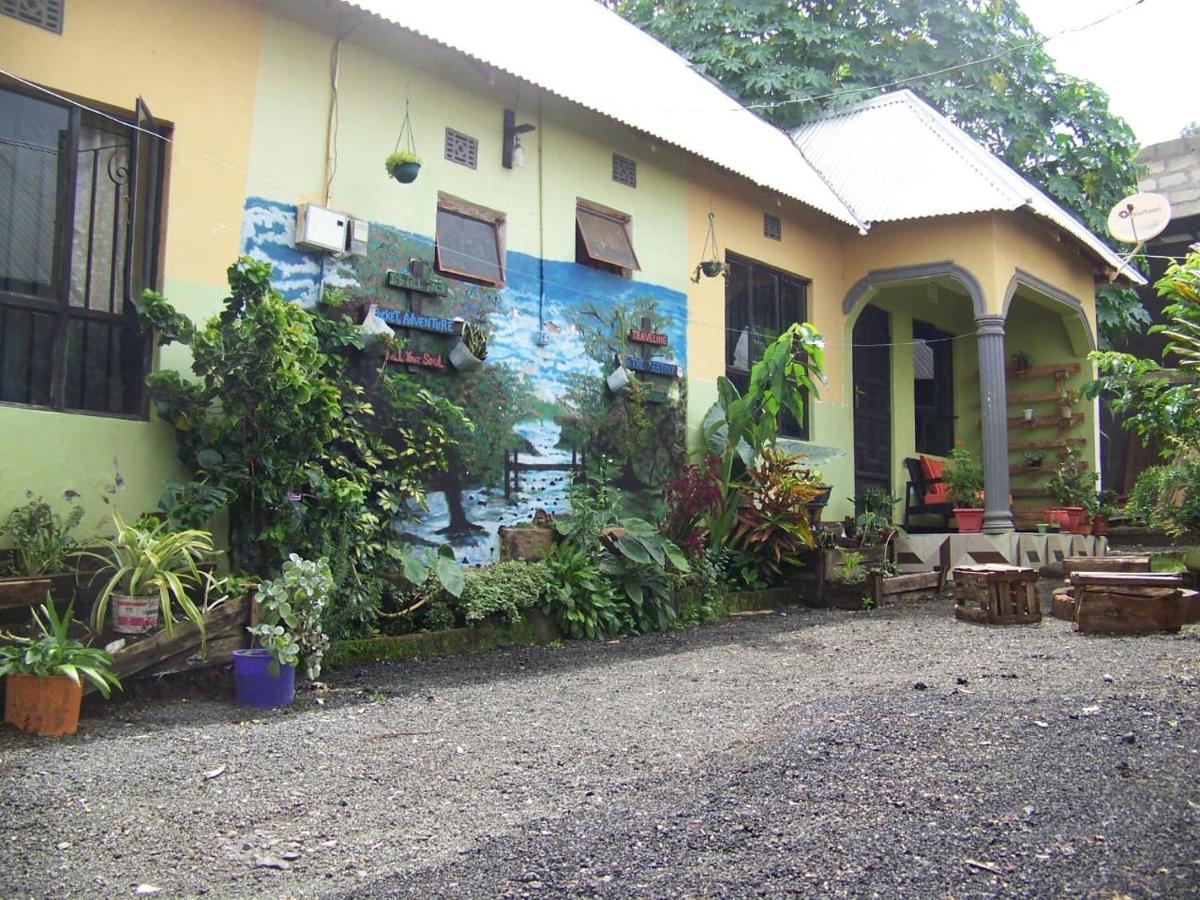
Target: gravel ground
point(891, 753)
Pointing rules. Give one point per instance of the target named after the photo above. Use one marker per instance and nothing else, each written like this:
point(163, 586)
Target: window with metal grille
point(760, 302)
point(79, 228)
point(624, 170)
point(470, 241)
point(46, 14)
point(604, 239)
point(462, 148)
point(772, 227)
point(933, 389)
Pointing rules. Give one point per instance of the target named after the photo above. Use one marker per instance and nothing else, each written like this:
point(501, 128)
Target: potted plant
point(43, 690)
point(1034, 458)
point(1066, 405)
point(620, 381)
point(1021, 361)
point(288, 631)
point(1106, 508)
point(41, 544)
point(470, 352)
point(846, 582)
point(963, 477)
point(153, 570)
point(816, 506)
point(1071, 486)
point(403, 165)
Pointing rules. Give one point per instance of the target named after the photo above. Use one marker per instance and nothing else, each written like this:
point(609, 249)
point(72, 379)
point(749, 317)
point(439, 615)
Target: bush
point(503, 589)
point(1167, 498)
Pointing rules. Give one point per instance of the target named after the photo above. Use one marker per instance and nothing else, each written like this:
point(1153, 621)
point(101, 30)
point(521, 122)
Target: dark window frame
point(744, 341)
point(772, 227)
point(62, 379)
point(494, 218)
point(584, 255)
point(933, 415)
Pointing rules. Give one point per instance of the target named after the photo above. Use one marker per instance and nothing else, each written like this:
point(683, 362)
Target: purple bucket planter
point(254, 685)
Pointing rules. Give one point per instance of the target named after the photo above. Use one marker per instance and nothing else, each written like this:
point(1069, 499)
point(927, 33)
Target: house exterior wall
point(112, 52)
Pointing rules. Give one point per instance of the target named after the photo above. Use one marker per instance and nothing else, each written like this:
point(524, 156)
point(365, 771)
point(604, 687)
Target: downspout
point(541, 335)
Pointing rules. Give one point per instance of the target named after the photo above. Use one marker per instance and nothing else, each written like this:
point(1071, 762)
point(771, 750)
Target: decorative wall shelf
point(1051, 444)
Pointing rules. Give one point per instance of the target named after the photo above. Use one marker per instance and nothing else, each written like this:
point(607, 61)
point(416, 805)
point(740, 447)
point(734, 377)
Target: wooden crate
point(906, 588)
point(1127, 602)
point(1189, 606)
point(996, 595)
point(1106, 564)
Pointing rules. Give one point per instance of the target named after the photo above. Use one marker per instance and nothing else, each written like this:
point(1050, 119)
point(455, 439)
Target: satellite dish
point(1139, 217)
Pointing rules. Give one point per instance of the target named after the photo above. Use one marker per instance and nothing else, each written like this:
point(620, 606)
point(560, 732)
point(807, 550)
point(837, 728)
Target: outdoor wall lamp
point(514, 154)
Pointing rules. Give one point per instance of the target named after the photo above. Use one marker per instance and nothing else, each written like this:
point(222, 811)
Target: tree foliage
point(1055, 129)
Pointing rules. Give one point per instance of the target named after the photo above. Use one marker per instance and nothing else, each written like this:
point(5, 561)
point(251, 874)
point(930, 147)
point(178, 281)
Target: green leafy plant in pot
point(403, 165)
point(288, 631)
point(470, 352)
point(1072, 486)
point(153, 570)
point(963, 477)
point(45, 675)
point(41, 538)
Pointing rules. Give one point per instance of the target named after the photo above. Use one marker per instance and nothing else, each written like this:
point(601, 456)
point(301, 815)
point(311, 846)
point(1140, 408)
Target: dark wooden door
point(872, 395)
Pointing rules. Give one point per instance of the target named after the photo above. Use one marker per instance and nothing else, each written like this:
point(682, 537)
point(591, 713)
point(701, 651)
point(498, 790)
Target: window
point(79, 229)
point(624, 170)
point(47, 14)
point(462, 148)
point(470, 241)
point(604, 239)
point(760, 302)
point(933, 389)
point(772, 227)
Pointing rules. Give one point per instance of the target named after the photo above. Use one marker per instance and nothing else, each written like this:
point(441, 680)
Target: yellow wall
point(195, 65)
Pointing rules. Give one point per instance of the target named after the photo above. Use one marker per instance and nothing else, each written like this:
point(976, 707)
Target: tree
point(775, 55)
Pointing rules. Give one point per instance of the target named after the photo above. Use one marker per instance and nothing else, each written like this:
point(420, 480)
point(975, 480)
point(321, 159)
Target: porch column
point(994, 420)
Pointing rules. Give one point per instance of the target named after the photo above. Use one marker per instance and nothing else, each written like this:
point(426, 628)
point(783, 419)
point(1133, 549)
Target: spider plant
point(55, 654)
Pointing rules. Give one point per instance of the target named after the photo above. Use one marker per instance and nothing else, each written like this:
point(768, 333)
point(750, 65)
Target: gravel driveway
point(892, 753)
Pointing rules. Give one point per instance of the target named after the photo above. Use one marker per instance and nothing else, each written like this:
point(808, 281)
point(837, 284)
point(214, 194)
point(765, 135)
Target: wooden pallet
point(906, 588)
point(1127, 602)
point(996, 595)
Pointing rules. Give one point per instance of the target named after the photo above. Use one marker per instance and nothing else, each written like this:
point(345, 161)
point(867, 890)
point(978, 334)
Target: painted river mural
point(541, 410)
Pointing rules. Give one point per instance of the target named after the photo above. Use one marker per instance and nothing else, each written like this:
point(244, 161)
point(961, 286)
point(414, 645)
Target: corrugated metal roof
point(585, 53)
point(895, 157)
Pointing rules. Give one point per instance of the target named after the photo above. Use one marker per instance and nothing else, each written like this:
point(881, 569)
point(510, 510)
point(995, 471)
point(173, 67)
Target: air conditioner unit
point(318, 228)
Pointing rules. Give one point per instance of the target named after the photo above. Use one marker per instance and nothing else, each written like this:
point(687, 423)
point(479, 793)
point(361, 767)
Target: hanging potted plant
point(619, 380)
point(44, 685)
point(288, 632)
point(154, 570)
point(403, 164)
point(963, 477)
point(470, 352)
point(712, 266)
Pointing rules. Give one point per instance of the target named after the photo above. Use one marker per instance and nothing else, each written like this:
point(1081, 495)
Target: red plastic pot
point(969, 521)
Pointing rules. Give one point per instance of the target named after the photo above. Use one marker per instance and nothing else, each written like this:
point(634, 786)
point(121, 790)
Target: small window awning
point(606, 238)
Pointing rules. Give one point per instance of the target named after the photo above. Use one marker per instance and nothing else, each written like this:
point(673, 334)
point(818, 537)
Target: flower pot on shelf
point(47, 705)
point(969, 521)
point(135, 615)
point(463, 359)
point(255, 685)
point(406, 172)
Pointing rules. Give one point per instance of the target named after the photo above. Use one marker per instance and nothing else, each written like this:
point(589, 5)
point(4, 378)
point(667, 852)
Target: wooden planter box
point(1127, 602)
point(842, 595)
point(905, 588)
point(525, 541)
point(996, 595)
point(1106, 564)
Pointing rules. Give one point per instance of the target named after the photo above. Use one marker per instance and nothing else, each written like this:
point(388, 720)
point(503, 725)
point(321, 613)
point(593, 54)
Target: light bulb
point(518, 153)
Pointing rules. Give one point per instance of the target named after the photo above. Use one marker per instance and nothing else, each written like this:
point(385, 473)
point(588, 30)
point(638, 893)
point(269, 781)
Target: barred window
point(79, 228)
point(624, 170)
point(462, 148)
point(772, 227)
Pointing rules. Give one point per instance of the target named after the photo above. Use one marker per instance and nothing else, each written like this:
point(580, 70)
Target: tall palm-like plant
point(150, 560)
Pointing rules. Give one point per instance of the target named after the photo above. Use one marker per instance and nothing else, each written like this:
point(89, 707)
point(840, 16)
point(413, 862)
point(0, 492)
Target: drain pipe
point(541, 335)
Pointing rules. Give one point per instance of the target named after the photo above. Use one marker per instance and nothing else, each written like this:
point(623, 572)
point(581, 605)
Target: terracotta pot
point(1056, 515)
point(135, 615)
point(47, 705)
point(1075, 517)
point(1100, 526)
point(969, 521)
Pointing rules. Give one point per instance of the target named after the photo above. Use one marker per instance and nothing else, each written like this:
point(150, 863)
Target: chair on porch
point(925, 494)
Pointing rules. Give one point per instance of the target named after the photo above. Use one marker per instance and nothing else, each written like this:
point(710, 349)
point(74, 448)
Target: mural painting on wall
point(540, 407)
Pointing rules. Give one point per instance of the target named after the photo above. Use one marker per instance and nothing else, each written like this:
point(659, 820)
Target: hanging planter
point(713, 266)
point(470, 352)
point(620, 382)
point(403, 164)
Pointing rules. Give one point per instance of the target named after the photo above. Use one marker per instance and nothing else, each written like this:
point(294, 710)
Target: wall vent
point(462, 148)
point(624, 170)
point(47, 14)
point(772, 227)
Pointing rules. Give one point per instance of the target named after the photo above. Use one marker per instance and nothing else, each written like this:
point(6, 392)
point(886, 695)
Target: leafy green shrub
point(502, 589)
point(55, 653)
point(41, 537)
point(291, 606)
point(1167, 498)
point(963, 477)
point(578, 595)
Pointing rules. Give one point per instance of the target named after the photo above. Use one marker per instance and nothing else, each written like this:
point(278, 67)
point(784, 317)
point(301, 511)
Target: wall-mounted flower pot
point(135, 615)
point(970, 521)
point(406, 173)
point(619, 381)
point(42, 705)
point(1027, 414)
point(712, 268)
point(463, 359)
point(255, 685)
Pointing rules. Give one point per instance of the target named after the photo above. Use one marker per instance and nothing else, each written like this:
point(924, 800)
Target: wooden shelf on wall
point(1026, 493)
point(1043, 397)
point(1060, 443)
point(1042, 421)
point(1044, 469)
point(1052, 370)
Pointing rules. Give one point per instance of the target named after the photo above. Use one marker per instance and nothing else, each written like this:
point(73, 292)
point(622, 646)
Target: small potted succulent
point(964, 482)
point(1066, 405)
point(44, 686)
point(403, 165)
point(1034, 459)
point(470, 352)
point(153, 570)
point(288, 631)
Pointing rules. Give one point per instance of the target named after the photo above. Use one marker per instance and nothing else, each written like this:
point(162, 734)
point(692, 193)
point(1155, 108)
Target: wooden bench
point(1106, 564)
point(1127, 602)
point(996, 595)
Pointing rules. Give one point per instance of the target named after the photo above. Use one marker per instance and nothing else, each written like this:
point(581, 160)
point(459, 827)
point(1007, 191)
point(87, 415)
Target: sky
point(1144, 58)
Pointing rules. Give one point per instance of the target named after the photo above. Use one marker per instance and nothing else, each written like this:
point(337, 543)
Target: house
point(573, 174)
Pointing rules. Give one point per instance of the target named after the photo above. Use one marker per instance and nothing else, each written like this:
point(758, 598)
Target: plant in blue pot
point(288, 634)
